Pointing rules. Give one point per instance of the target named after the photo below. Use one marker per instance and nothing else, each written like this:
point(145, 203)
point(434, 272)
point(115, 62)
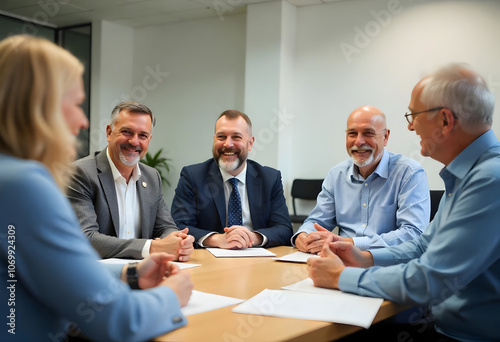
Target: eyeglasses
point(409, 115)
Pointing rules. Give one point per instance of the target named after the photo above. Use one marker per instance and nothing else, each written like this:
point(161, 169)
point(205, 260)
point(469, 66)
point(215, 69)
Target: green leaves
point(161, 164)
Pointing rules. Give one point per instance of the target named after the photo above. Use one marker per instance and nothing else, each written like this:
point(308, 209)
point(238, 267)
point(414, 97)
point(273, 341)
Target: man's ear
point(448, 120)
point(386, 136)
point(108, 132)
point(250, 143)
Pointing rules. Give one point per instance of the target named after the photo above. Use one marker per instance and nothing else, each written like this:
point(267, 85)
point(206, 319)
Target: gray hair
point(461, 90)
point(132, 107)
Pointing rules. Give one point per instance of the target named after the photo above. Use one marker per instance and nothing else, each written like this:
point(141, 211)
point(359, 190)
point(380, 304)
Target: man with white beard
point(203, 203)
point(119, 201)
point(376, 198)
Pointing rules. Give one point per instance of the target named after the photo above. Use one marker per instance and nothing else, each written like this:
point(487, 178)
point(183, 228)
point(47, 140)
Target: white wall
point(205, 62)
point(340, 56)
point(399, 43)
point(112, 62)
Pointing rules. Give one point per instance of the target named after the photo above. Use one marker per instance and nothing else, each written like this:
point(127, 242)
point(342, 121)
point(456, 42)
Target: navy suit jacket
point(199, 202)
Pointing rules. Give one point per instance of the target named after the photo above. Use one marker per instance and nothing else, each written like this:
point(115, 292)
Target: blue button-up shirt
point(454, 266)
point(389, 207)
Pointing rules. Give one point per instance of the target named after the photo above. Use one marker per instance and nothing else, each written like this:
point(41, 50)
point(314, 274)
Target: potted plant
point(160, 163)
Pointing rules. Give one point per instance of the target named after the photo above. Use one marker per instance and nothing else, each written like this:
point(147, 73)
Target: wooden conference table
point(244, 278)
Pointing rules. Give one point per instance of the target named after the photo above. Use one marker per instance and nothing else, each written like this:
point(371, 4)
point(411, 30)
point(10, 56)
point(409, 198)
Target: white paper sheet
point(238, 253)
point(202, 301)
point(182, 265)
point(338, 308)
point(297, 257)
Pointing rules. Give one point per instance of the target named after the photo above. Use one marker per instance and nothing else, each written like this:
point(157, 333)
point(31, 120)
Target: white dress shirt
point(128, 205)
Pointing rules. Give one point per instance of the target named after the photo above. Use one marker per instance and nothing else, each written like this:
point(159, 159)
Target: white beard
point(129, 161)
point(361, 163)
point(229, 166)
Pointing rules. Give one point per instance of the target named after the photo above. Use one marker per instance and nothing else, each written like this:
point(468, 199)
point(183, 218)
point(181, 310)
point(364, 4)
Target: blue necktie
point(234, 205)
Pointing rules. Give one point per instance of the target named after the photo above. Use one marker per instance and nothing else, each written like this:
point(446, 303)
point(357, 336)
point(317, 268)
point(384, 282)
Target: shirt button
point(366, 184)
point(363, 225)
point(176, 319)
point(364, 205)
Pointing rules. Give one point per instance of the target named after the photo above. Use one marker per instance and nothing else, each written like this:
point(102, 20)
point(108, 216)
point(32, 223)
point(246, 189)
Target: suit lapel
point(142, 186)
point(254, 192)
point(108, 185)
point(216, 188)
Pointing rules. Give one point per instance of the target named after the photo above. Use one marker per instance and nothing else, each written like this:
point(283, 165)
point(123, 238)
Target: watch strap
point(132, 276)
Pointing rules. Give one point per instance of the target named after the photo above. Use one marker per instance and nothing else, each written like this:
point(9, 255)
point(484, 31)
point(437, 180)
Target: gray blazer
point(93, 197)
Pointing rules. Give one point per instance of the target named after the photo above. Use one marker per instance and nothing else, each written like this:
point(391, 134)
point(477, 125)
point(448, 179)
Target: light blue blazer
point(56, 278)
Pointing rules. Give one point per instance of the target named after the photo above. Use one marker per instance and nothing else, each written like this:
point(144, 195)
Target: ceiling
point(134, 13)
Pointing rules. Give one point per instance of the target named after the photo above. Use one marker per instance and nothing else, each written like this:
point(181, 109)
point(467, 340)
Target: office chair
point(435, 199)
point(304, 189)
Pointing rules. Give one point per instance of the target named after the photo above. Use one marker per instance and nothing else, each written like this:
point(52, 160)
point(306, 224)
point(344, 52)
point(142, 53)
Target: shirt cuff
point(349, 279)
point(382, 257)
point(115, 269)
point(203, 238)
point(362, 242)
point(264, 239)
point(145, 249)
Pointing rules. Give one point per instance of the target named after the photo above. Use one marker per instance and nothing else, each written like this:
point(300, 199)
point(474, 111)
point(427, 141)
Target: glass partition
point(76, 39)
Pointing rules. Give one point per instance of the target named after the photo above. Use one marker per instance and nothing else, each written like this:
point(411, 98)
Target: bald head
point(368, 114)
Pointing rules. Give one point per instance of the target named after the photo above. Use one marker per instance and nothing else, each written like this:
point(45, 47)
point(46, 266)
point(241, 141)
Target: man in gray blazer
point(119, 201)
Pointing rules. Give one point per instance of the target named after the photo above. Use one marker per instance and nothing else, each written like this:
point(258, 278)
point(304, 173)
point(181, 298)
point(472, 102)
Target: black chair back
point(435, 198)
point(304, 189)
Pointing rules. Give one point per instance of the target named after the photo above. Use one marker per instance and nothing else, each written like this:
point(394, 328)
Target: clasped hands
point(335, 253)
point(234, 237)
point(158, 270)
point(314, 241)
point(179, 244)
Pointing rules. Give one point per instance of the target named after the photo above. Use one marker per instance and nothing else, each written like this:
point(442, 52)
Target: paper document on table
point(182, 265)
point(297, 257)
point(238, 253)
point(202, 301)
point(339, 308)
point(307, 285)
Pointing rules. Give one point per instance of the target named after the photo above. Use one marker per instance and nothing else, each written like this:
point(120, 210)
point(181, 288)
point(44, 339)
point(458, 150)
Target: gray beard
point(366, 162)
point(128, 161)
point(229, 167)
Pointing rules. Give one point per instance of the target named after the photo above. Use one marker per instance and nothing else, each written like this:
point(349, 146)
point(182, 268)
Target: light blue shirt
point(454, 267)
point(51, 278)
point(391, 206)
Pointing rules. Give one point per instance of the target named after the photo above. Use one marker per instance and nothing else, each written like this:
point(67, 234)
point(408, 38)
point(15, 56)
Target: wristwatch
point(132, 276)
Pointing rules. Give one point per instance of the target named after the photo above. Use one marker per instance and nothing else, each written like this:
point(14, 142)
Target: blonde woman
point(51, 279)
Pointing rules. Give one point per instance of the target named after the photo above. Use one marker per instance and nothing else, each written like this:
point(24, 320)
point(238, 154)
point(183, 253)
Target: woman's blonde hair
point(34, 76)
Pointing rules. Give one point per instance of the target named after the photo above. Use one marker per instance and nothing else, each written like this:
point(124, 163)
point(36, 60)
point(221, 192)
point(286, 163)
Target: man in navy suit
point(202, 195)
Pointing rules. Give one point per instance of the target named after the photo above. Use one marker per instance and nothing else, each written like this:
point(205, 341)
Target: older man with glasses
point(454, 267)
point(376, 198)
